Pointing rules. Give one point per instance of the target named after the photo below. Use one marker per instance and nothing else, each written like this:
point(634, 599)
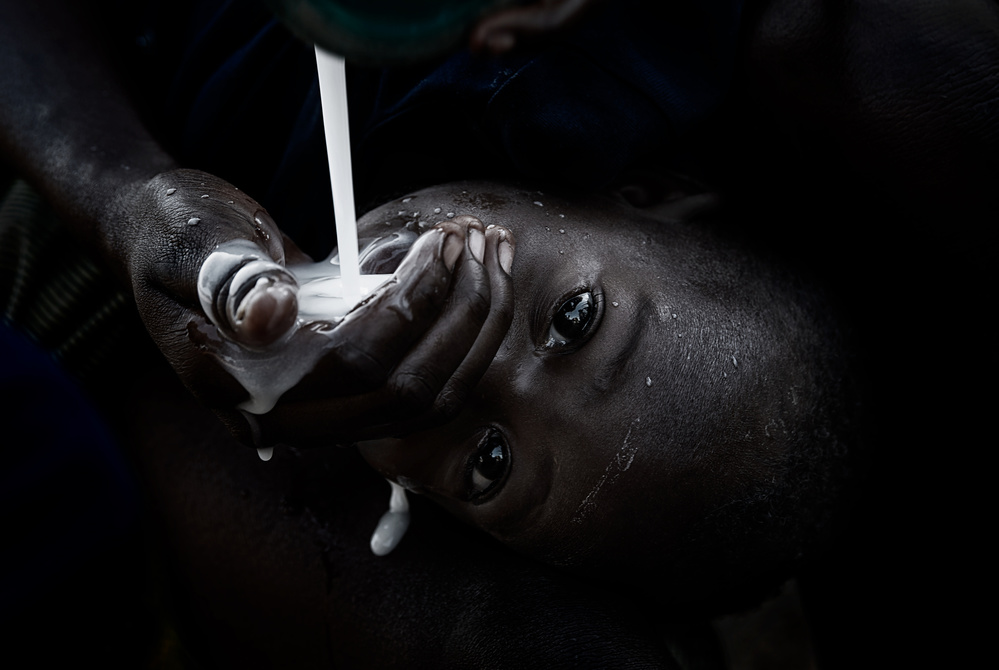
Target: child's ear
point(665, 195)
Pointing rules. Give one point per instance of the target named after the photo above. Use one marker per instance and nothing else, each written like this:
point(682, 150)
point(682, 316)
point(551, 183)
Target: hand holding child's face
point(650, 377)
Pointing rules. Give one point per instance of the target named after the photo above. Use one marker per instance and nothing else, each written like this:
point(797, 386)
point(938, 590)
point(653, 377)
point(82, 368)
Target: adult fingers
point(373, 338)
point(498, 263)
point(418, 380)
point(441, 370)
point(500, 32)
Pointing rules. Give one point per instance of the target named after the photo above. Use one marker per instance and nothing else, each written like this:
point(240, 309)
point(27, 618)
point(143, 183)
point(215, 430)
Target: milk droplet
point(393, 524)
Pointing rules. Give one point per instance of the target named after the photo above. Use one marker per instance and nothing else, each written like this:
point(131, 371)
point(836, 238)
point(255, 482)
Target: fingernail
point(452, 249)
point(266, 313)
point(477, 243)
point(506, 256)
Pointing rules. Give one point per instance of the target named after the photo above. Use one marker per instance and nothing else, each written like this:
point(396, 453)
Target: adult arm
point(68, 125)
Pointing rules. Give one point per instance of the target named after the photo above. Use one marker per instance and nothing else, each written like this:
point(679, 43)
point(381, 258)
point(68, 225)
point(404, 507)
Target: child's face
point(625, 401)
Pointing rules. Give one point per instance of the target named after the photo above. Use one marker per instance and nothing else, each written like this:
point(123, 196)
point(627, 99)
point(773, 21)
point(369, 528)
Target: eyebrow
point(617, 363)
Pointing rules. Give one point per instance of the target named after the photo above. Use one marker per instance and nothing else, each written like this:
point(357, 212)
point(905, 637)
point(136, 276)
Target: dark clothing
point(629, 83)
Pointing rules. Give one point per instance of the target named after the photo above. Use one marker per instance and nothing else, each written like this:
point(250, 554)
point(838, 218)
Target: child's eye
point(488, 466)
point(572, 320)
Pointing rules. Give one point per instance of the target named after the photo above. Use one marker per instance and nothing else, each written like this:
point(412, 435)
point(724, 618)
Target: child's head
point(665, 409)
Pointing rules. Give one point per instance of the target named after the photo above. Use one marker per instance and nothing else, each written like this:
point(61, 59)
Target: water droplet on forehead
point(193, 221)
point(171, 191)
point(562, 230)
point(437, 210)
point(539, 204)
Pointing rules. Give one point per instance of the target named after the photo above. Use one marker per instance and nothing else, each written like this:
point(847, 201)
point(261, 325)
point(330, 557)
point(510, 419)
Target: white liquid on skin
point(267, 373)
point(393, 524)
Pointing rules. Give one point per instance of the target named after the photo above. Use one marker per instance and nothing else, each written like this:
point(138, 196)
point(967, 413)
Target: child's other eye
point(572, 320)
point(488, 466)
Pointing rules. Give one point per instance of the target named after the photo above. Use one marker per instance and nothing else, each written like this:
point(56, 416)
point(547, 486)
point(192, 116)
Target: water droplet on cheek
point(193, 221)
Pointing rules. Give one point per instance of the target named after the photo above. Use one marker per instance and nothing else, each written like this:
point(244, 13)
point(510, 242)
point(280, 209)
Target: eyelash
point(545, 343)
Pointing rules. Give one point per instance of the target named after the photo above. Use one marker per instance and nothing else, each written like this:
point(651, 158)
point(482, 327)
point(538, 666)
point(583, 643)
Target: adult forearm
point(66, 122)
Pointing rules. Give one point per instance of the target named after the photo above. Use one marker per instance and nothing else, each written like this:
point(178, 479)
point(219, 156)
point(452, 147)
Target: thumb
point(250, 298)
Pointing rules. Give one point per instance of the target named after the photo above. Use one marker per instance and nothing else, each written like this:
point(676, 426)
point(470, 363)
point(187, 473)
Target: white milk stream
point(327, 292)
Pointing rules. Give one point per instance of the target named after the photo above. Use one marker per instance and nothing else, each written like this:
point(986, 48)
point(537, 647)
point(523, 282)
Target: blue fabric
point(635, 80)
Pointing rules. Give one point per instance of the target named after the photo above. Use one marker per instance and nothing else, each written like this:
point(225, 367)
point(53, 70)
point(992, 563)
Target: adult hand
point(405, 357)
point(410, 355)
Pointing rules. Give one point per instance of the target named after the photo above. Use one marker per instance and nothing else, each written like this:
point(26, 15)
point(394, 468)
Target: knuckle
point(415, 392)
point(447, 403)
